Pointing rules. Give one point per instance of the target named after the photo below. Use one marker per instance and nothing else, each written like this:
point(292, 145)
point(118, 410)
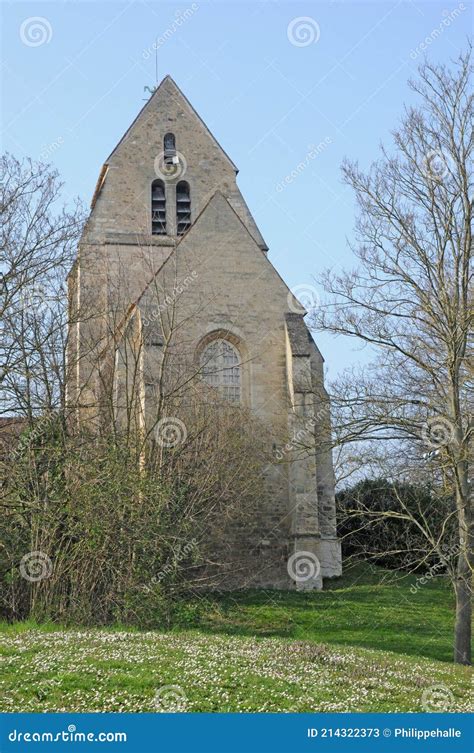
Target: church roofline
point(216, 193)
point(134, 305)
point(170, 78)
point(105, 166)
point(99, 184)
point(289, 317)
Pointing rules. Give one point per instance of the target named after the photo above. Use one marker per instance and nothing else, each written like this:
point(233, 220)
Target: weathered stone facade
point(216, 284)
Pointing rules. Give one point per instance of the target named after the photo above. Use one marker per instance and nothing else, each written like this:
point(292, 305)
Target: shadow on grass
point(366, 608)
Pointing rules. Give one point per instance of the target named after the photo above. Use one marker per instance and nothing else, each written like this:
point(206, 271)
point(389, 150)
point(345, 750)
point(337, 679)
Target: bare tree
point(38, 236)
point(410, 298)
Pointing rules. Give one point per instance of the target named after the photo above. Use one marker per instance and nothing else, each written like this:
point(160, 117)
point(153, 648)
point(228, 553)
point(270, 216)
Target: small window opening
point(169, 148)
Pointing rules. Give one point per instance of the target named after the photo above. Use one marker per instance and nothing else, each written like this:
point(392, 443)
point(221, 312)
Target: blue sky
point(270, 86)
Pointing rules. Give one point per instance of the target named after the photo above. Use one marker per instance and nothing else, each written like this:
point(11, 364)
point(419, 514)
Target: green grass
point(367, 643)
point(368, 607)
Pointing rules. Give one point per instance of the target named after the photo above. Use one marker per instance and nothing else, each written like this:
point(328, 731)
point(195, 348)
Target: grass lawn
point(364, 644)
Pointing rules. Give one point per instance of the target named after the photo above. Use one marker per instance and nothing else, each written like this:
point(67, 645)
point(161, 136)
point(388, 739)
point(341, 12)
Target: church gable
point(162, 173)
point(169, 106)
point(219, 245)
point(227, 266)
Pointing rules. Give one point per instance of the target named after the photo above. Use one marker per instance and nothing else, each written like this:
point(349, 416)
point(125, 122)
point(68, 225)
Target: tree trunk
point(463, 578)
point(462, 628)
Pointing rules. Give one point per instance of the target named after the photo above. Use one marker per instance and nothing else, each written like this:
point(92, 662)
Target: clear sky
point(275, 90)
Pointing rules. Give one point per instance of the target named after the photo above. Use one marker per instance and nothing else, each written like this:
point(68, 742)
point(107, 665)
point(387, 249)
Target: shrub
point(118, 530)
point(394, 541)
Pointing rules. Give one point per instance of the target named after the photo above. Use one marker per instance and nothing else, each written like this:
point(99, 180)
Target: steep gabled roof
point(168, 80)
point(178, 93)
point(217, 194)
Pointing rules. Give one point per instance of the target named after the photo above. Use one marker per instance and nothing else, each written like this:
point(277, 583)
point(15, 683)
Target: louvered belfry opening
point(183, 207)
point(158, 208)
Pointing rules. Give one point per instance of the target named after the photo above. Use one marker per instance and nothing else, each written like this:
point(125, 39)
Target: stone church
point(171, 254)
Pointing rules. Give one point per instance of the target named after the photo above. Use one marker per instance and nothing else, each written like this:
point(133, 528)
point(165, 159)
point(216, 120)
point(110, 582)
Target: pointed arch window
point(183, 207)
point(158, 208)
point(169, 149)
point(220, 364)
